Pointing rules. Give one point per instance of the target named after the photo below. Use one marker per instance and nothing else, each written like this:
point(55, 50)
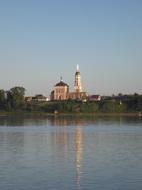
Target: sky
point(42, 40)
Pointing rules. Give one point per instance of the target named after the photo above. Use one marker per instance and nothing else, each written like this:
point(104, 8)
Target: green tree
point(2, 99)
point(139, 103)
point(15, 98)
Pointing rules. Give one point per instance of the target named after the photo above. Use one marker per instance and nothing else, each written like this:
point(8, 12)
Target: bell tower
point(77, 83)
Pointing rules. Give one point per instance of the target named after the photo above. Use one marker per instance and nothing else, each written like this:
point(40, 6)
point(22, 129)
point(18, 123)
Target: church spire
point(77, 83)
point(77, 68)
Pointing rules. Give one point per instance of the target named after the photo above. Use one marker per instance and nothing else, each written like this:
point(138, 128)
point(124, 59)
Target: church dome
point(61, 83)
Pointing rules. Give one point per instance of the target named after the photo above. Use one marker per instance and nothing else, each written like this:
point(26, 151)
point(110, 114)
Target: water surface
point(71, 153)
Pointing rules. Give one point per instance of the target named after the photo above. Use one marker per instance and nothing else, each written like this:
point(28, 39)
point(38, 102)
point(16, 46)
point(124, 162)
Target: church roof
point(61, 83)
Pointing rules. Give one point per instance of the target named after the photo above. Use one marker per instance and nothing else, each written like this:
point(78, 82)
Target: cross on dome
point(61, 78)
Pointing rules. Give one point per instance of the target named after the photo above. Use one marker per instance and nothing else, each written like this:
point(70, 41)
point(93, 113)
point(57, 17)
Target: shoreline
point(40, 114)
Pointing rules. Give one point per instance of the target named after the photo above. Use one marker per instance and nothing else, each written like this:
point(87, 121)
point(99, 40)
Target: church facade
point(61, 90)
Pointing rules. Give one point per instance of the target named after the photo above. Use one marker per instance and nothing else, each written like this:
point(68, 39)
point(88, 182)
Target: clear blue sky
point(41, 40)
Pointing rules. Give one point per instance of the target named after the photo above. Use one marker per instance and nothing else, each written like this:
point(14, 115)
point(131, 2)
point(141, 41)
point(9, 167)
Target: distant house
point(37, 98)
point(40, 98)
point(94, 98)
point(28, 98)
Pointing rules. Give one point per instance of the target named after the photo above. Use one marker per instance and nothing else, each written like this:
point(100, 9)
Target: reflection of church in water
point(61, 90)
point(68, 143)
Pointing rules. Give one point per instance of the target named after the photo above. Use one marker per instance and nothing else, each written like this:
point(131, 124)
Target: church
point(61, 90)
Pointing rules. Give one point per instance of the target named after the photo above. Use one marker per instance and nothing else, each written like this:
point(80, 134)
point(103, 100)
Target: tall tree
point(2, 99)
point(15, 97)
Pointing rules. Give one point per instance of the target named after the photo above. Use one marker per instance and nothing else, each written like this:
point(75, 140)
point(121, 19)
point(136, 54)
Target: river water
point(71, 153)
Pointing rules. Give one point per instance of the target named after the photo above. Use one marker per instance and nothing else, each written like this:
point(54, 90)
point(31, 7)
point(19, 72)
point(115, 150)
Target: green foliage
point(112, 107)
point(132, 103)
point(70, 107)
point(108, 107)
point(2, 99)
point(15, 98)
point(139, 103)
point(89, 107)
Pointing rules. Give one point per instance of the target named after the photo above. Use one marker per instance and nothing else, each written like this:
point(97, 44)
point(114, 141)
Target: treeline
point(104, 106)
point(14, 100)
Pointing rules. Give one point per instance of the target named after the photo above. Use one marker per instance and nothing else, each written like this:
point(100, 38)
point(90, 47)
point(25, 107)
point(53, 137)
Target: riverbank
point(38, 114)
